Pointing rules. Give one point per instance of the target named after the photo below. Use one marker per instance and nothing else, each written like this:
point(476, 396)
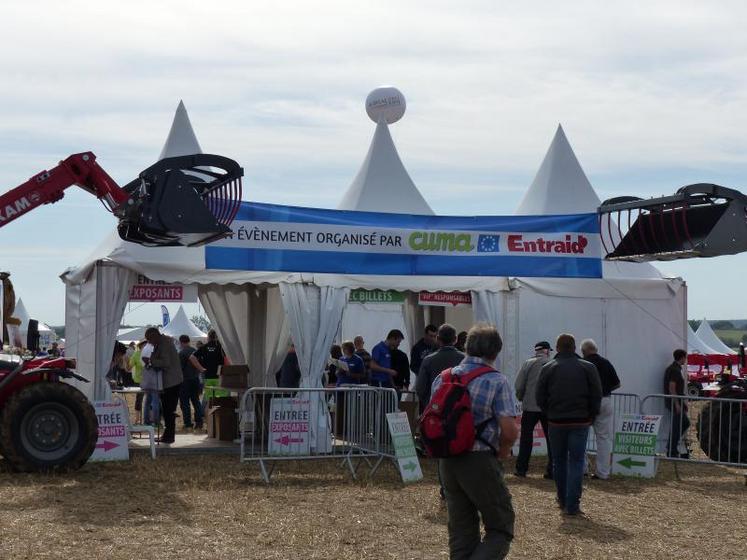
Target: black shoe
point(547, 476)
point(188, 426)
point(520, 474)
point(165, 439)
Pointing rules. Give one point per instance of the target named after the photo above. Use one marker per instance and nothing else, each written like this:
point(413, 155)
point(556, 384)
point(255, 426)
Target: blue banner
point(295, 239)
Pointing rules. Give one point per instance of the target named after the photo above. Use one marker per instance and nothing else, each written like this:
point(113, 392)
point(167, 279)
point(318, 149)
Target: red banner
point(445, 299)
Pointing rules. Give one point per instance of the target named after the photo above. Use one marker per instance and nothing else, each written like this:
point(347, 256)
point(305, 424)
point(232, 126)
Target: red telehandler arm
point(186, 200)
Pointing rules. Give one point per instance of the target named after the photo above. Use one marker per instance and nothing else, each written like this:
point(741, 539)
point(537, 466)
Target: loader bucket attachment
point(702, 220)
point(181, 201)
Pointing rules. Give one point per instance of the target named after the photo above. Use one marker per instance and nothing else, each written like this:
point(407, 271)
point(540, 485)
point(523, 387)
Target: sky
point(652, 96)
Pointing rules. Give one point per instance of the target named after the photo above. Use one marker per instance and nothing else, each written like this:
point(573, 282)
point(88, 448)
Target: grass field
point(213, 507)
point(731, 336)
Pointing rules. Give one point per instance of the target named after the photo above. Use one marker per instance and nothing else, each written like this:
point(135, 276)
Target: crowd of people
point(170, 373)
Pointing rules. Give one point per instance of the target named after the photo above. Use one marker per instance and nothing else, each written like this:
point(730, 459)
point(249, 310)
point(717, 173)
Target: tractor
point(47, 424)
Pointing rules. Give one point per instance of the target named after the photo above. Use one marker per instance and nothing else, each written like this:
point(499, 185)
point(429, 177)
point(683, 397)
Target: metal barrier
point(347, 423)
point(622, 403)
point(720, 428)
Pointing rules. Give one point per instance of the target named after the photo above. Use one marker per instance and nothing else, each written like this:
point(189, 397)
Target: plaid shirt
point(492, 398)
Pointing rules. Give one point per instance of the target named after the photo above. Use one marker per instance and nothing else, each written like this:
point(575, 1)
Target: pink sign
point(445, 299)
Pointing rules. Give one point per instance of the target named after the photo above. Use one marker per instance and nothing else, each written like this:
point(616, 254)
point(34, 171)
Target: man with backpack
point(470, 426)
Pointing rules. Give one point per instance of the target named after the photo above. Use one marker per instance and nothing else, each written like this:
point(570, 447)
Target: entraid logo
point(517, 244)
point(449, 242)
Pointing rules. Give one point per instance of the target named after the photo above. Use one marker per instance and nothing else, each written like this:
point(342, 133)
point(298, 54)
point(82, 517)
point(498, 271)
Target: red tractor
point(45, 423)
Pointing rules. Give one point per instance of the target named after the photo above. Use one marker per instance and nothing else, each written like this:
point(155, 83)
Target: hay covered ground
point(213, 507)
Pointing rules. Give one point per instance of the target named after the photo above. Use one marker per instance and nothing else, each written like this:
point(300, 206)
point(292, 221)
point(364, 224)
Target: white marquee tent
point(636, 316)
point(697, 346)
point(706, 334)
point(181, 324)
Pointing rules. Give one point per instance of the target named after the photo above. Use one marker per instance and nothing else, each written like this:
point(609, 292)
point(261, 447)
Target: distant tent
point(181, 324)
point(128, 335)
point(697, 346)
point(706, 334)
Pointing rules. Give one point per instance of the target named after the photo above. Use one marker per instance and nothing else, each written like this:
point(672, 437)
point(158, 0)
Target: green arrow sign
point(629, 463)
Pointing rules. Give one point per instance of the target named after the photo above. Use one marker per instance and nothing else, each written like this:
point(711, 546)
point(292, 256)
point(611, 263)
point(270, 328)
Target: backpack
point(447, 427)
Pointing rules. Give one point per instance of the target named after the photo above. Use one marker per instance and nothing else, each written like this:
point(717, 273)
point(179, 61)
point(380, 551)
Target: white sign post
point(290, 420)
point(404, 447)
point(634, 448)
point(112, 441)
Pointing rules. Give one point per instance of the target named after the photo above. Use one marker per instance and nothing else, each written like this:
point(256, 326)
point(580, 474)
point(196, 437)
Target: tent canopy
point(706, 334)
point(697, 346)
point(181, 324)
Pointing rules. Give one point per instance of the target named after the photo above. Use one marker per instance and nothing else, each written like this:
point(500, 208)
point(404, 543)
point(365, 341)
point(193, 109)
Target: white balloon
point(387, 102)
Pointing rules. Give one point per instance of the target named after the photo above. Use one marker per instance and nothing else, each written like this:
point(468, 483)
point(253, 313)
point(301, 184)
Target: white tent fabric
point(383, 184)
point(706, 334)
point(314, 316)
point(636, 317)
point(181, 140)
point(135, 334)
point(181, 324)
point(561, 187)
point(697, 346)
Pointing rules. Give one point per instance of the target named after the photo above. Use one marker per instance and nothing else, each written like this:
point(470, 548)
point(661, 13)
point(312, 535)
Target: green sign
point(404, 447)
point(634, 448)
point(361, 295)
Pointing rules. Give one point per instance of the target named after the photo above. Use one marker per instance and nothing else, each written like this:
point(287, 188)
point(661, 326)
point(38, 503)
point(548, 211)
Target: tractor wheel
point(694, 390)
point(48, 426)
point(722, 430)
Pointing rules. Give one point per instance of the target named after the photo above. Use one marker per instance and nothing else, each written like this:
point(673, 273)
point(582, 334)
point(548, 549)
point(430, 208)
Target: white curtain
point(278, 336)
point(113, 284)
point(487, 307)
point(314, 316)
point(414, 318)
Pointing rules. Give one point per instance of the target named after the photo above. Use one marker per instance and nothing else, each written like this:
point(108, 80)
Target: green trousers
point(475, 489)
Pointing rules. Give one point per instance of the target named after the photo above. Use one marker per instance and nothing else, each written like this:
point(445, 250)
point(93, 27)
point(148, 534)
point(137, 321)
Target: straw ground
point(213, 507)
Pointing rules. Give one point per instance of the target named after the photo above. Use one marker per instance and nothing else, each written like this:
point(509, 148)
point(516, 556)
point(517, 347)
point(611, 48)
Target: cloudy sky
point(652, 96)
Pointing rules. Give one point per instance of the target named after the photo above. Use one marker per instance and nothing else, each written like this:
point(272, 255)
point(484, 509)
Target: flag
point(488, 243)
point(165, 315)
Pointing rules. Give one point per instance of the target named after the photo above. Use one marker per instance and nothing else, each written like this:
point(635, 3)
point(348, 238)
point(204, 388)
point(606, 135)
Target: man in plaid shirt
point(473, 482)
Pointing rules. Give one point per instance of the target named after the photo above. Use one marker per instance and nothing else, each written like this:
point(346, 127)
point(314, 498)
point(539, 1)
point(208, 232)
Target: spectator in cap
point(526, 389)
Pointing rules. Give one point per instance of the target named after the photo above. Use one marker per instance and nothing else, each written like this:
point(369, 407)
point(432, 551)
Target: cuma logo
point(441, 241)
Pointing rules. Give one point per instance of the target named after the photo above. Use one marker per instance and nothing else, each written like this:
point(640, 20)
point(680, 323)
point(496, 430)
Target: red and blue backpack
point(447, 426)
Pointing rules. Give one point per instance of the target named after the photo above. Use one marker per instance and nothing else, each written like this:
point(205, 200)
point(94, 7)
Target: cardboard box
point(231, 402)
point(234, 377)
point(225, 422)
point(210, 421)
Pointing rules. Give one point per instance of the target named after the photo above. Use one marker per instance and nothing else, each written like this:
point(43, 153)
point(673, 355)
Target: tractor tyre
point(48, 426)
point(722, 429)
point(694, 390)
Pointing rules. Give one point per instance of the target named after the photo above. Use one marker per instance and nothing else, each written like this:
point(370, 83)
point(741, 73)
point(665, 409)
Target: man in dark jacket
point(444, 358)
point(674, 384)
point(603, 428)
point(570, 394)
point(423, 347)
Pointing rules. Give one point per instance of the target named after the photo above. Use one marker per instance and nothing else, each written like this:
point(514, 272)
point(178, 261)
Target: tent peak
point(181, 140)
point(382, 183)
